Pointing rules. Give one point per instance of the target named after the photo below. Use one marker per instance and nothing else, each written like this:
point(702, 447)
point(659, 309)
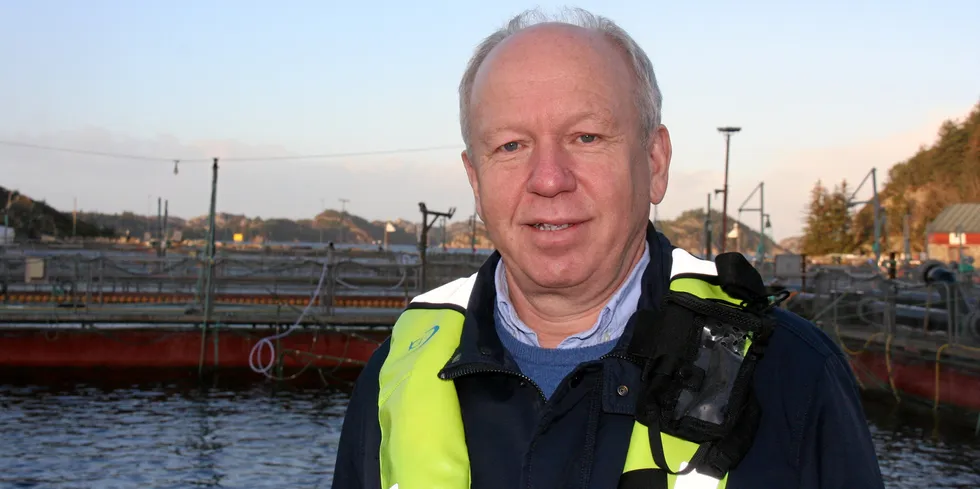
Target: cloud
point(789, 174)
point(384, 187)
point(688, 189)
point(789, 182)
point(377, 187)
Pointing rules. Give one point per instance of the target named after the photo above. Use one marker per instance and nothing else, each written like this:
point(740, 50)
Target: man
point(537, 372)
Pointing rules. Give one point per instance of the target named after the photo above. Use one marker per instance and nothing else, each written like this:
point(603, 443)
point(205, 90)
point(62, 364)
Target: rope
point(255, 355)
point(939, 352)
point(888, 367)
point(843, 346)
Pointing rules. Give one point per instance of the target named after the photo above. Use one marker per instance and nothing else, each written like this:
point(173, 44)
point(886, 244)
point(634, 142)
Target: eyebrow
point(600, 116)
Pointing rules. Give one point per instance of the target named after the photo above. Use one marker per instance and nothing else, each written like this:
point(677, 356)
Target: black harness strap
point(739, 279)
point(667, 342)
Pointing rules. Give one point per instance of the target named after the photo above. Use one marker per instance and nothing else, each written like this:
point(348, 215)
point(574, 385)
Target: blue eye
point(511, 146)
point(587, 138)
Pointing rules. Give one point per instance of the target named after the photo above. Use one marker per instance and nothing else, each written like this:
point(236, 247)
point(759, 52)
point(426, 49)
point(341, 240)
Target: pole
point(707, 230)
point(877, 216)
point(163, 239)
point(343, 218)
point(424, 239)
point(760, 249)
point(724, 205)
point(727, 131)
point(444, 234)
point(803, 272)
point(473, 233)
point(159, 217)
point(762, 224)
point(960, 238)
point(209, 264)
point(907, 238)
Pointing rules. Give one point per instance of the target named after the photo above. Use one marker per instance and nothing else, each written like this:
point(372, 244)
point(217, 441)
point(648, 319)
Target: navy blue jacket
point(813, 432)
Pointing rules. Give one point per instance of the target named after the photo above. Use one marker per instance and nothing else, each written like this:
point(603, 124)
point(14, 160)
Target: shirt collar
point(609, 326)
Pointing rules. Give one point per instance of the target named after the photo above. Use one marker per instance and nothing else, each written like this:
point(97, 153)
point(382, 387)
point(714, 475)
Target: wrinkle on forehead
point(557, 56)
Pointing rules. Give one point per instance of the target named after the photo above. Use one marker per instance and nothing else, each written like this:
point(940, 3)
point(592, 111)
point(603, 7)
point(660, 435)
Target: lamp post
point(727, 131)
point(767, 224)
point(878, 218)
point(763, 217)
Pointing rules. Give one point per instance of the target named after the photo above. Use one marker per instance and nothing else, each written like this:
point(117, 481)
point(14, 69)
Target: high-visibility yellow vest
point(422, 440)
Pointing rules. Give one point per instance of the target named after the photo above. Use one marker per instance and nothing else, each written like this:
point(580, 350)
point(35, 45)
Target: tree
point(837, 216)
point(936, 176)
point(814, 234)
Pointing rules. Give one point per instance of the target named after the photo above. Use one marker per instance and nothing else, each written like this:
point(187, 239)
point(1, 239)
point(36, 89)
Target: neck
point(554, 315)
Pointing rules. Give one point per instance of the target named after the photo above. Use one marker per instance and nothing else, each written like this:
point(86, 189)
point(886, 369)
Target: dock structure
point(915, 339)
point(134, 311)
point(913, 335)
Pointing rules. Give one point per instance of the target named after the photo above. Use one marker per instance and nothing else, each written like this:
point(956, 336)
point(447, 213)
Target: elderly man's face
point(562, 176)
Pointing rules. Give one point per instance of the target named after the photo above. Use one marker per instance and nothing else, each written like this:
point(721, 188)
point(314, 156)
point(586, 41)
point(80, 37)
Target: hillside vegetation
point(33, 219)
point(947, 172)
point(686, 231)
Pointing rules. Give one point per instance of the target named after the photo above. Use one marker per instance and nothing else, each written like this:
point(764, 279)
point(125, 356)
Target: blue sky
point(825, 90)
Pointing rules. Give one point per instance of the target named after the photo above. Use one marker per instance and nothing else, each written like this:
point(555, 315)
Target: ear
point(474, 181)
point(658, 156)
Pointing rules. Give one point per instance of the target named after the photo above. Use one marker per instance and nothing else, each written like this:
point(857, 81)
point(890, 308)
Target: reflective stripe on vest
point(423, 445)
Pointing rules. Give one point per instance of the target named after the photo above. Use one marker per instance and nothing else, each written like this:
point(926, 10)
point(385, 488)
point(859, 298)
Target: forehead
point(549, 70)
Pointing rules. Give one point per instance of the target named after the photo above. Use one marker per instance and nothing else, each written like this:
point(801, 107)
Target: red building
point(954, 233)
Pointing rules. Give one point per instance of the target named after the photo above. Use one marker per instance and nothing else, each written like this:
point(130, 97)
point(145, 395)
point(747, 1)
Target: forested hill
point(947, 172)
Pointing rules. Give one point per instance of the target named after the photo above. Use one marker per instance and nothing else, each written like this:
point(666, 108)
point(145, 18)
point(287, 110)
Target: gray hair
point(648, 97)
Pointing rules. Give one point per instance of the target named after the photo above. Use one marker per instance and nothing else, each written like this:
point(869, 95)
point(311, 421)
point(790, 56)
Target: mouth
point(551, 227)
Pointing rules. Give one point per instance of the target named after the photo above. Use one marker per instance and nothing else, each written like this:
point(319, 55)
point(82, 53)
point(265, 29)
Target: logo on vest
point(421, 340)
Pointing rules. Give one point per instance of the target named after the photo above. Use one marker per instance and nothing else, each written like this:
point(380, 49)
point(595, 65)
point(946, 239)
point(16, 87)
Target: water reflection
point(917, 449)
point(169, 436)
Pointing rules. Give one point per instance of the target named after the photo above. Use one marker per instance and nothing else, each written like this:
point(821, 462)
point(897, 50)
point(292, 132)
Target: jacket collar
point(479, 342)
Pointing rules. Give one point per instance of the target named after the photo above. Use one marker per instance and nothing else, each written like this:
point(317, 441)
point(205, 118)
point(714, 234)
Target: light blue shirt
point(610, 325)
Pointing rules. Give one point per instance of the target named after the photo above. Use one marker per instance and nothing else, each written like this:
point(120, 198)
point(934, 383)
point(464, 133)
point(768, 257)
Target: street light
point(762, 240)
point(727, 131)
point(763, 217)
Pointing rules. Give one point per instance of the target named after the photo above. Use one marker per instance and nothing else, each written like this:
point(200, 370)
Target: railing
point(941, 307)
point(83, 279)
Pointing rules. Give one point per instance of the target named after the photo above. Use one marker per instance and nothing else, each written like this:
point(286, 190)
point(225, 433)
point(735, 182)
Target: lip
point(556, 236)
point(554, 222)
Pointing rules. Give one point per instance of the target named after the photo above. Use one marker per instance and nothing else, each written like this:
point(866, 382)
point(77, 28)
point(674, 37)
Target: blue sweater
point(547, 367)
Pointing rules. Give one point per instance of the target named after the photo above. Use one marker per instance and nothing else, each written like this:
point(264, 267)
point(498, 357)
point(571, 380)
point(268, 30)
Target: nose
point(550, 171)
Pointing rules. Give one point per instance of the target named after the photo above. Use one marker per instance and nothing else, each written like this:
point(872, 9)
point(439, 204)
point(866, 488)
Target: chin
point(550, 271)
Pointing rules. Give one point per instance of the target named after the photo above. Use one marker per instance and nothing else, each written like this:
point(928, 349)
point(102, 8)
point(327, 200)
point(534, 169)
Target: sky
point(822, 90)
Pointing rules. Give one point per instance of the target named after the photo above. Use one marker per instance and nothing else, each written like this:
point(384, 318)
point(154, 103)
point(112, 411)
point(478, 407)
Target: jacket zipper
point(456, 373)
point(621, 356)
point(462, 372)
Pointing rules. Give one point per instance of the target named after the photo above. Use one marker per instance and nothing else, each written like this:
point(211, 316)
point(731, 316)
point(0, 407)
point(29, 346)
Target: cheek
point(610, 187)
point(499, 196)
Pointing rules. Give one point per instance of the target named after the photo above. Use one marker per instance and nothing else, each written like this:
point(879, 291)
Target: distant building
point(6, 235)
point(955, 230)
